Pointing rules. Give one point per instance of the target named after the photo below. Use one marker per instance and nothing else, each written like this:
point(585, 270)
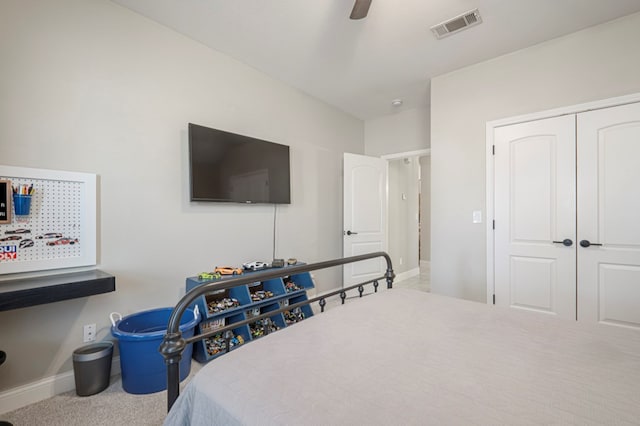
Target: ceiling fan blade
point(360, 9)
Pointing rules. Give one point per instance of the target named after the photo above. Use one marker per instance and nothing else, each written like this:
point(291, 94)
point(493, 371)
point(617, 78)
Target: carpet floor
point(113, 406)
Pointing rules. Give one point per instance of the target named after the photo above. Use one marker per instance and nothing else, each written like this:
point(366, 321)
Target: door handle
point(566, 242)
point(351, 233)
point(587, 243)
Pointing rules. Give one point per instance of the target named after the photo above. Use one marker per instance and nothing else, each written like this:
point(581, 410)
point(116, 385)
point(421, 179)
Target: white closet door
point(535, 205)
point(609, 214)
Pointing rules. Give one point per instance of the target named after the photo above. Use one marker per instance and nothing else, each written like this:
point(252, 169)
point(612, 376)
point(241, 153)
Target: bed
point(407, 357)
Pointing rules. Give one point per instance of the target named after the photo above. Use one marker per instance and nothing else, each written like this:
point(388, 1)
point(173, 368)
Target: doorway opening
point(409, 214)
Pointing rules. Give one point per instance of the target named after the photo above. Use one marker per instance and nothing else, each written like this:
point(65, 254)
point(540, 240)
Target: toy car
point(11, 238)
point(49, 235)
point(18, 231)
point(227, 270)
point(209, 276)
point(62, 242)
point(255, 266)
point(26, 243)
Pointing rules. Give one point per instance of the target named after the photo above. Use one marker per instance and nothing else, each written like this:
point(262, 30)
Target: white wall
point(596, 63)
point(90, 86)
point(403, 131)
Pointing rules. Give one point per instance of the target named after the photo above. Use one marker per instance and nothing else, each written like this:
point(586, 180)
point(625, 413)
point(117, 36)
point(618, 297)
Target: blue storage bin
point(139, 337)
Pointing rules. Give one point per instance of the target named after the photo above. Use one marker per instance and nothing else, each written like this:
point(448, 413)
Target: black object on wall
point(25, 292)
point(228, 167)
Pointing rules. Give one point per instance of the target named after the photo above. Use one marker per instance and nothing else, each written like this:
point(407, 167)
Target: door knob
point(351, 233)
point(566, 242)
point(587, 243)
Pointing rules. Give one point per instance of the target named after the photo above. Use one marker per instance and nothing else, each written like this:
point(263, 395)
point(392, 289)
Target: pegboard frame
point(88, 221)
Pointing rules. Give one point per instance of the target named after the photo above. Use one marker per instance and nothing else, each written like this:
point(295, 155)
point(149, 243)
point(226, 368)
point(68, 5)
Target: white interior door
point(535, 211)
point(609, 214)
point(365, 215)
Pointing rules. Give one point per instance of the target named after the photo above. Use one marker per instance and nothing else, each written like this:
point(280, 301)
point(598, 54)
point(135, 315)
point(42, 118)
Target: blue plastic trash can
point(139, 338)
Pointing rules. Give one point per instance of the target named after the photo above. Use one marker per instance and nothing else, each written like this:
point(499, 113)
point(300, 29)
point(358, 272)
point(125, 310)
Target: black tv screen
point(228, 167)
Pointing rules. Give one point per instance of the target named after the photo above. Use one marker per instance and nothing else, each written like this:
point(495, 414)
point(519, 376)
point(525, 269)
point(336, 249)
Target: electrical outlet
point(89, 333)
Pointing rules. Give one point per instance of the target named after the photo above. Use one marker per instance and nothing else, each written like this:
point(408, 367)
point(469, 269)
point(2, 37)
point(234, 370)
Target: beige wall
point(90, 86)
point(403, 131)
point(596, 63)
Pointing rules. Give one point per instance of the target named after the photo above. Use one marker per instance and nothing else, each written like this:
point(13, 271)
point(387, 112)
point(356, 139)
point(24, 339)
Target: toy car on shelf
point(277, 263)
point(255, 266)
point(227, 270)
point(209, 276)
point(62, 242)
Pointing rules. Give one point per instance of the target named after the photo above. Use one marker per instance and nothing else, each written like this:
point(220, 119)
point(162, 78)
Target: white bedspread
point(407, 357)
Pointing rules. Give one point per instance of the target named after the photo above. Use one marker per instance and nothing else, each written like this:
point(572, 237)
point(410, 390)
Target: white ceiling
point(360, 66)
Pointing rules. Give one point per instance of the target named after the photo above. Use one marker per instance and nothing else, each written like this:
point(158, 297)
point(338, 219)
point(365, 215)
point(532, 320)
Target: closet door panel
point(608, 171)
point(535, 206)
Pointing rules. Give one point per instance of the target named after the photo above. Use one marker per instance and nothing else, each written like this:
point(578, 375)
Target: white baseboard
point(407, 274)
point(43, 389)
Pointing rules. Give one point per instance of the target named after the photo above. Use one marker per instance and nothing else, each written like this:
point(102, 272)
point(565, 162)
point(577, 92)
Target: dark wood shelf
point(25, 292)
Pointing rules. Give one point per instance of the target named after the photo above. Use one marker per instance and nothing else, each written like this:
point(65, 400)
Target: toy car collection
point(220, 305)
point(216, 344)
point(237, 308)
point(257, 329)
point(290, 286)
point(255, 265)
point(15, 235)
point(261, 295)
point(294, 316)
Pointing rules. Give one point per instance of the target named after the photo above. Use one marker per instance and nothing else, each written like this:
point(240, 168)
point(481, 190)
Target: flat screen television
point(228, 167)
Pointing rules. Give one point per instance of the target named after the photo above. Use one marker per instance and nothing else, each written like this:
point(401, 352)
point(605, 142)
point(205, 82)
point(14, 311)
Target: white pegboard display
point(59, 230)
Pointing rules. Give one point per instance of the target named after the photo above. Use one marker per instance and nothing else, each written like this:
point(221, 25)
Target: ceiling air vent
point(459, 23)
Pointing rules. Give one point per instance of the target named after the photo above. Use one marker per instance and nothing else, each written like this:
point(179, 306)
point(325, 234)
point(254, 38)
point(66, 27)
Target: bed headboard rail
point(174, 344)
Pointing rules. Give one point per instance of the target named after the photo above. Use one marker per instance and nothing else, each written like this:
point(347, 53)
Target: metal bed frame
point(174, 344)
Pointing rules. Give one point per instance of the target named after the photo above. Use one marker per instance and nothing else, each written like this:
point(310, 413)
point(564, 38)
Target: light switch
point(477, 216)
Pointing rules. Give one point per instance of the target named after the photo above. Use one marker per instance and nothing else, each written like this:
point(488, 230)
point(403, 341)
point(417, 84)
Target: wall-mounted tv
point(228, 167)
